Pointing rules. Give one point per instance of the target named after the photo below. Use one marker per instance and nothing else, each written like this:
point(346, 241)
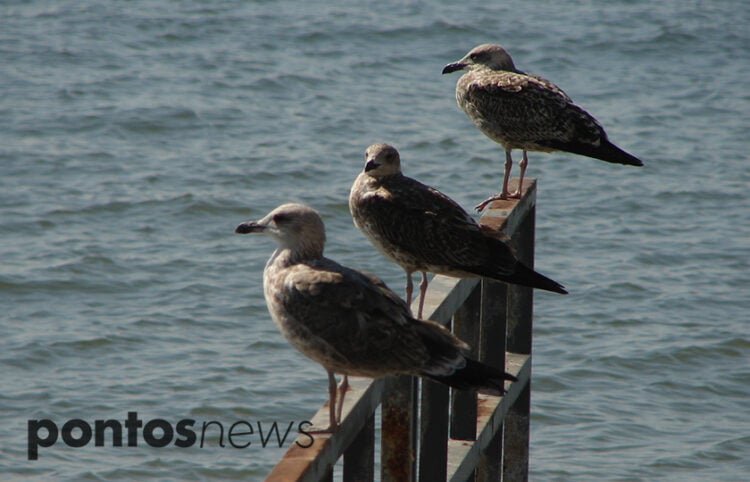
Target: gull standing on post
point(422, 229)
point(349, 322)
point(524, 111)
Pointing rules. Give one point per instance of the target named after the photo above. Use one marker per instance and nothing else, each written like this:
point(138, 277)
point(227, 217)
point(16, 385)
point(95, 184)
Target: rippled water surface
point(135, 136)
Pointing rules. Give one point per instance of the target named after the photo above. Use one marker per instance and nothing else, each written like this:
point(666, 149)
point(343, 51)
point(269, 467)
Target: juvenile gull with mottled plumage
point(422, 229)
point(524, 111)
point(350, 322)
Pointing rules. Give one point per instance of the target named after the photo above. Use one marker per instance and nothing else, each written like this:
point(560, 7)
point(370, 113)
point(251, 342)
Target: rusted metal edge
point(463, 455)
point(507, 215)
point(307, 461)
point(398, 437)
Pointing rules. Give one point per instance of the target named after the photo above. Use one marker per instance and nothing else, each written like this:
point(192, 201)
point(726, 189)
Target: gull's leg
point(343, 386)
point(422, 293)
point(409, 288)
point(506, 177)
point(332, 423)
point(524, 162)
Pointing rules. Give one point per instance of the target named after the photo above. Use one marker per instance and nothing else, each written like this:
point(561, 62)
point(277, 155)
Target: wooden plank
point(463, 456)
point(311, 463)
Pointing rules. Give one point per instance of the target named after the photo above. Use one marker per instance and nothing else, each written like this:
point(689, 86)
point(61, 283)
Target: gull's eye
point(280, 218)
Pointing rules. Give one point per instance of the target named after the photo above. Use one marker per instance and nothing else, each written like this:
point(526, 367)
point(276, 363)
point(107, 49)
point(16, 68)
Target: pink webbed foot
point(497, 197)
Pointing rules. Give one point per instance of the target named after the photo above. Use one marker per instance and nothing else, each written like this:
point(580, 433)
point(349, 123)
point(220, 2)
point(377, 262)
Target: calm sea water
point(135, 136)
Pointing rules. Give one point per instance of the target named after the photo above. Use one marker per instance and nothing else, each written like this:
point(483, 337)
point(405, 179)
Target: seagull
point(525, 111)
point(422, 229)
point(350, 322)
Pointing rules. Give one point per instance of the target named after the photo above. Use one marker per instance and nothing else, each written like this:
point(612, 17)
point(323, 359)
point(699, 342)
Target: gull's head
point(490, 56)
point(382, 160)
point(294, 226)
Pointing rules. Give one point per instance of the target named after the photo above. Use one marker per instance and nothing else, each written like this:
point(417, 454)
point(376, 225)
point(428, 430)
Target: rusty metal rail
point(428, 432)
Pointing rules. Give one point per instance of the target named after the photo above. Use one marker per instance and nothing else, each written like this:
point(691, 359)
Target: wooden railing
point(428, 432)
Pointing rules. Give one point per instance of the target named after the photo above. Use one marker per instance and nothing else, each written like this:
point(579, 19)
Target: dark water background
point(134, 136)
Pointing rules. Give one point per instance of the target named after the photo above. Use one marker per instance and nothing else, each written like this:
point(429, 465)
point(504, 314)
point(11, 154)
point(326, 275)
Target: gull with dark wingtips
point(350, 322)
point(422, 229)
point(525, 111)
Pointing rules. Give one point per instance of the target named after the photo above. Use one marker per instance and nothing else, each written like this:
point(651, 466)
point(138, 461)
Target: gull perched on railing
point(422, 229)
point(525, 111)
point(350, 322)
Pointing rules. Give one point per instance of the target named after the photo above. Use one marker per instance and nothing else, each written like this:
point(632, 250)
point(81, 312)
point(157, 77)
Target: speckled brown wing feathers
point(527, 111)
point(433, 229)
point(357, 318)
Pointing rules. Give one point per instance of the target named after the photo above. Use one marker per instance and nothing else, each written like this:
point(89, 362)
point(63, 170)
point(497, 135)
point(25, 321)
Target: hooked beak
point(370, 165)
point(453, 67)
point(249, 227)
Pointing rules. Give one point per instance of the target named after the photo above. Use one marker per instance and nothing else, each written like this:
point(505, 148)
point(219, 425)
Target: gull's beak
point(370, 165)
point(454, 67)
point(250, 227)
